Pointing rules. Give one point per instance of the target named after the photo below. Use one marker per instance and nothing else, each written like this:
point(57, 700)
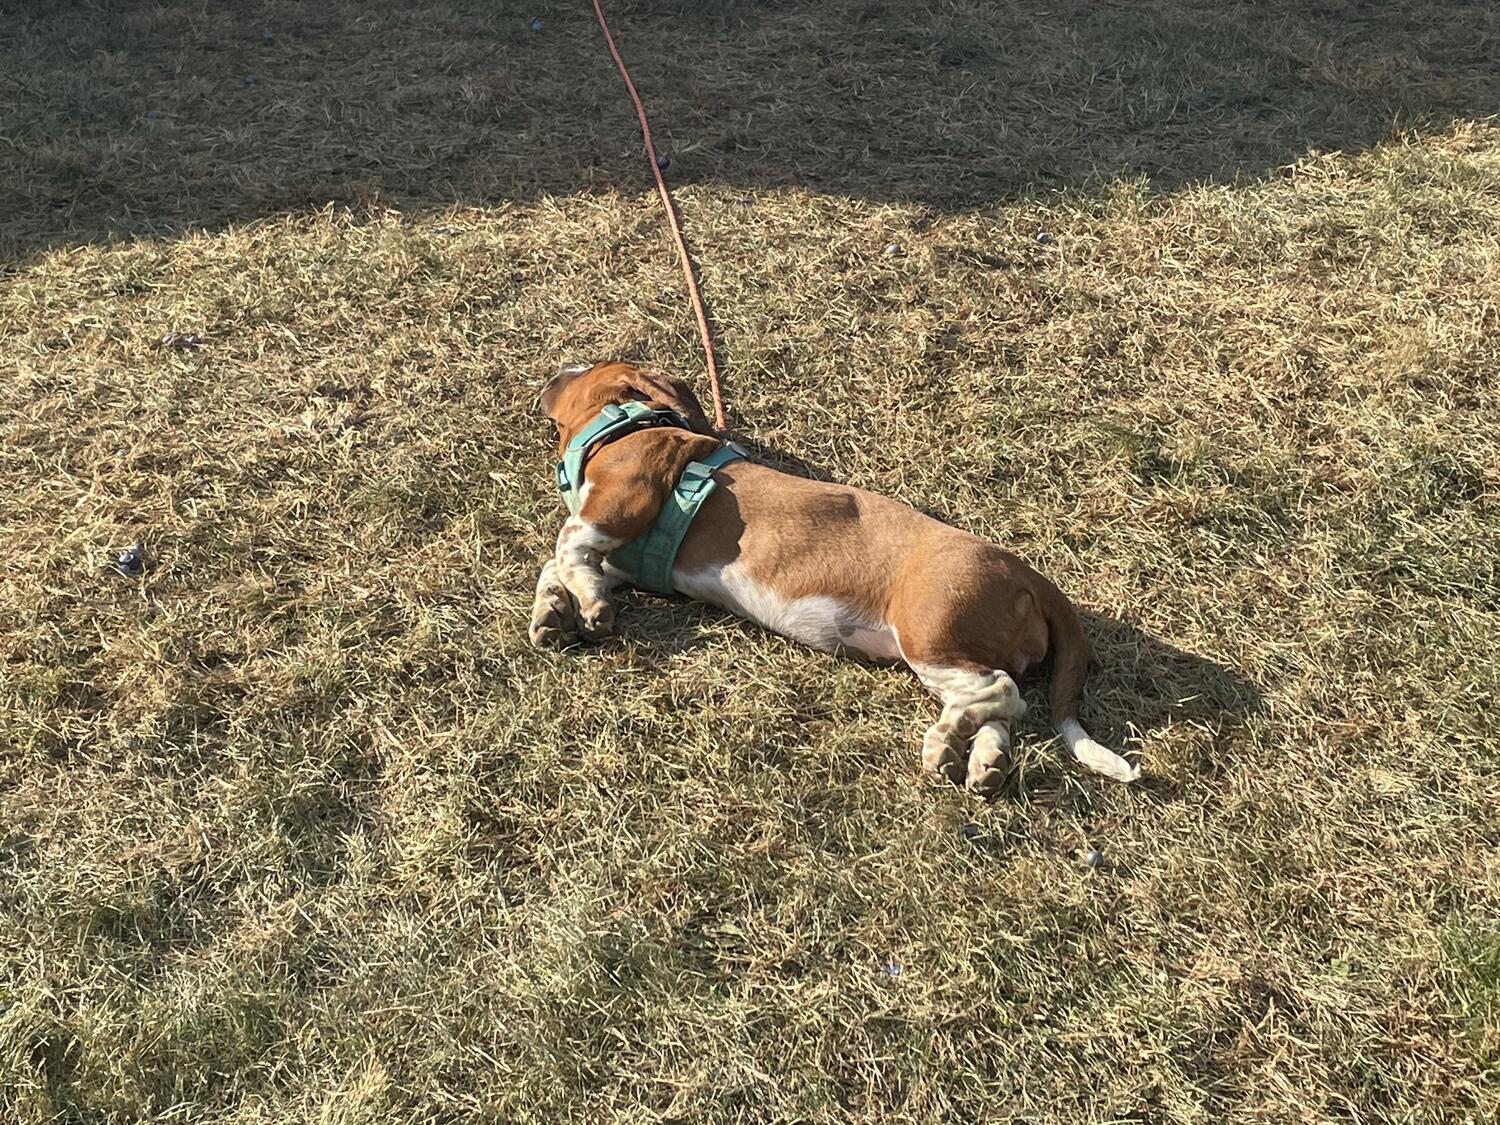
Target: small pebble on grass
point(132, 561)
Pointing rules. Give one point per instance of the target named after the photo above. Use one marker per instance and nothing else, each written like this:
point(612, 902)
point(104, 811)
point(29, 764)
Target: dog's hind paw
point(989, 760)
point(942, 756)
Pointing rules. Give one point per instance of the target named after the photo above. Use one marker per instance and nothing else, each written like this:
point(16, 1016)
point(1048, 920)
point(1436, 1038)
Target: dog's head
point(577, 393)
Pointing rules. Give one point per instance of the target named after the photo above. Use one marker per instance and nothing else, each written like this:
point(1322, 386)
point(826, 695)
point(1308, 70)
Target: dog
point(828, 565)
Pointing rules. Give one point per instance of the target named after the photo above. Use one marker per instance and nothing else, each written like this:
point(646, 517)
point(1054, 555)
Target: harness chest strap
point(649, 558)
point(614, 421)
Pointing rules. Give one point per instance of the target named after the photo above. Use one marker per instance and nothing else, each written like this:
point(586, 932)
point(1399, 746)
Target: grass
point(296, 827)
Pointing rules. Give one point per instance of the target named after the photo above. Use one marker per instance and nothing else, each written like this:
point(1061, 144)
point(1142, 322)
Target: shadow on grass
point(1140, 683)
point(145, 120)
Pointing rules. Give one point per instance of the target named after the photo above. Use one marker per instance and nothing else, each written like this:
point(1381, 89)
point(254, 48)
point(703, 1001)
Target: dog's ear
point(553, 387)
point(668, 391)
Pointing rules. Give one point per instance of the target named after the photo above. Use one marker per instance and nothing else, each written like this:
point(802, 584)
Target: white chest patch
point(818, 622)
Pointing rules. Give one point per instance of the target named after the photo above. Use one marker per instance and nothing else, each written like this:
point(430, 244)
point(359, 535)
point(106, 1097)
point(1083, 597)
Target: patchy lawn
point(1194, 306)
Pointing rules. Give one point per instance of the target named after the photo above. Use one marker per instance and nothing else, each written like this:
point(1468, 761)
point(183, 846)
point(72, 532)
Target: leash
point(671, 209)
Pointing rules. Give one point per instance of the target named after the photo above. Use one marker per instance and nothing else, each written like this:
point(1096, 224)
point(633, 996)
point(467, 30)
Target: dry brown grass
point(297, 827)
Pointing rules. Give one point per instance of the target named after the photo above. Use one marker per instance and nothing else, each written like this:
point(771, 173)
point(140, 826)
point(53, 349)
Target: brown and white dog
point(831, 566)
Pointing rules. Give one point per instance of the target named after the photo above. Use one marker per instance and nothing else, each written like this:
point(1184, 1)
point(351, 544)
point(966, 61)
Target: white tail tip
point(1100, 759)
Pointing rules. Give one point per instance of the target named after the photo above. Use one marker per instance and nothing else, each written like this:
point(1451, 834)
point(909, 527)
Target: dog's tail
point(1070, 663)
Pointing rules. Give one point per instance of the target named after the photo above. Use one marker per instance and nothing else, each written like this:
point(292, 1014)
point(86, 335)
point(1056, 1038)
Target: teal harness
point(648, 559)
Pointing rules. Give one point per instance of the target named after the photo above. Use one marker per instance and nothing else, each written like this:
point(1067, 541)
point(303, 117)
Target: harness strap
point(648, 559)
point(614, 421)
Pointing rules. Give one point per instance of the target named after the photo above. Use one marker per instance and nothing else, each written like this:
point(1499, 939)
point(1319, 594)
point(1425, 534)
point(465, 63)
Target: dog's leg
point(581, 548)
point(978, 706)
point(554, 614)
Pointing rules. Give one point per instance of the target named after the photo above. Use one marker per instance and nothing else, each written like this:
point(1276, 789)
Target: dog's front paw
point(597, 621)
point(554, 618)
point(545, 634)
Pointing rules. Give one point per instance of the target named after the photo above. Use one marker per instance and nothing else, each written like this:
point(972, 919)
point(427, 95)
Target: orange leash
point(671, 208)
